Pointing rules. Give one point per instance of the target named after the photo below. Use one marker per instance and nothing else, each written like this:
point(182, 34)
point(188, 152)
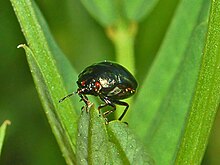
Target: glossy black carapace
point(110, 81)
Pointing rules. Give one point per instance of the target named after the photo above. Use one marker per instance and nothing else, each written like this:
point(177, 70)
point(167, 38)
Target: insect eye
point(83, 83)
point(97, 85)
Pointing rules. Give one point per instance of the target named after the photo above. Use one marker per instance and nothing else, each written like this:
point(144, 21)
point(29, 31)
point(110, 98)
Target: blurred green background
point(29, 140)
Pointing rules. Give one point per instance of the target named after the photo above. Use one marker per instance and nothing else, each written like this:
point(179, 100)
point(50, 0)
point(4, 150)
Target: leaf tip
point(7, 122)
point(21, 46)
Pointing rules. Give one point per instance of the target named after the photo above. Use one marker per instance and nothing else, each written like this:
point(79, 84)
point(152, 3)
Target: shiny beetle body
point(110, 81)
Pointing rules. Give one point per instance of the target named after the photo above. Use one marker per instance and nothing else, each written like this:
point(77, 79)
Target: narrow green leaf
point(2, 133)
point(37, 32)
point(175, 106)
point(60, 116)
point(138, 9)
point(98, 143)
point(103, 11)
point(112, 12)
point(130, 149)
point(44, 57)
point(165, 96)
point(82, 139)
point(207, 96)
point(92, 140)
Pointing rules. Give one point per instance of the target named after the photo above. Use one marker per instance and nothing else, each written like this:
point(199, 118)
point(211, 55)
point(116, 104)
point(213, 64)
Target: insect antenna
point(67, 96)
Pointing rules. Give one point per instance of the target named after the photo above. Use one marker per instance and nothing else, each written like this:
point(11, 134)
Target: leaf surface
point(114, 143)
point(165, 96)
point(46, 62)
point(3, 132)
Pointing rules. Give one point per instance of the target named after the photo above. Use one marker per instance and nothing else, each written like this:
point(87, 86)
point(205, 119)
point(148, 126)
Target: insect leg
point(107, 102)
point(69, 95)
point(86, 101)
point(124, 104)
point(101, 106)
point(110, 111)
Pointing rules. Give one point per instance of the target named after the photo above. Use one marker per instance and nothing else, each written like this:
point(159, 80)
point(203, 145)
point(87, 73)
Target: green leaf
point(92, 142)
point(113, 143)
point(110, 12)
point(164, 99)
point(207, 96)
point(61, 116)
point(2, 133)
point(103, 11)
point(138, 9)
point(46, 61)
point(132, 152)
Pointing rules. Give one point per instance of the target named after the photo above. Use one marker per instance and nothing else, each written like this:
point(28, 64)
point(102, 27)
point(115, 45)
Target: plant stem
point(123, 36)
point(207, 96)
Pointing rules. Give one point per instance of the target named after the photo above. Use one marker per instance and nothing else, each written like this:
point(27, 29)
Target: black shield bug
point(110, 81)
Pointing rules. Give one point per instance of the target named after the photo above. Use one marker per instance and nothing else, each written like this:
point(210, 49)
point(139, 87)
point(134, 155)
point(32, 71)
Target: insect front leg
point(85, 99)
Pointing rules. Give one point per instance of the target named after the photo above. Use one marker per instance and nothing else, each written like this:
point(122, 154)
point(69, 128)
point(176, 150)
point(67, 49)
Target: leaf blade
point(156, 101)
point(137, 10)
point(206, 99)
point(3, 132)
point(132, 152)
point(92, 140)
point(112, 143)
point(43, 56)
point(103, 11)
point(60, 116)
